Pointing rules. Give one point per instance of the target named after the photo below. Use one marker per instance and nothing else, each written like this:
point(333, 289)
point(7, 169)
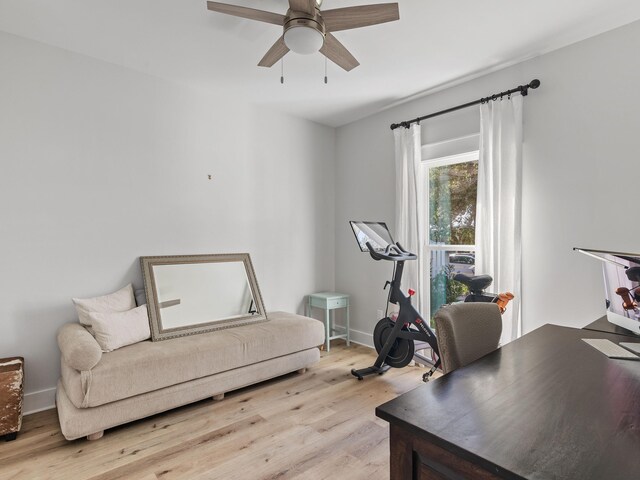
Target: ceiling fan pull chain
point(326, 80)
point(282, 71)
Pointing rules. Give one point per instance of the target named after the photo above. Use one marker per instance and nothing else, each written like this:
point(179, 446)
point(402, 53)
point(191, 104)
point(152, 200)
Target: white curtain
point(410, 206)
point(498, 217)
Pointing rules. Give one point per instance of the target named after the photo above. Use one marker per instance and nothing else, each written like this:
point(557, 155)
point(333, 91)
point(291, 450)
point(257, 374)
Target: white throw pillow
point(113, 330)
point(119, 301)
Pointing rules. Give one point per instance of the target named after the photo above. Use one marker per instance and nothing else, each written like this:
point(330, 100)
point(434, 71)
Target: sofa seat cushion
point(148, 366)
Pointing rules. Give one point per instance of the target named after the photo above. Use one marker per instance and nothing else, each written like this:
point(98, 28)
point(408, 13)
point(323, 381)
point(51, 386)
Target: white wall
point(580, 183)
point(101, 165)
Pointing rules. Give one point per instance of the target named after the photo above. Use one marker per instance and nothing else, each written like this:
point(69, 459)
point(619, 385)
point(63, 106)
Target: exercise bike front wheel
point(402, 350)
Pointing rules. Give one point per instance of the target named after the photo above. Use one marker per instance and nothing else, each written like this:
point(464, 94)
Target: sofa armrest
point(79, 349)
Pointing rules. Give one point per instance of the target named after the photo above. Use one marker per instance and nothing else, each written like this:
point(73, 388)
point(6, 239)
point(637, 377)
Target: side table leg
point(327, 329)
point(332, 322)
point(348, 327)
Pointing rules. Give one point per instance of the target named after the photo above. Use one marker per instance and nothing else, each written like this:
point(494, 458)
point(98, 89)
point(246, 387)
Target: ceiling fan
point(308, 30)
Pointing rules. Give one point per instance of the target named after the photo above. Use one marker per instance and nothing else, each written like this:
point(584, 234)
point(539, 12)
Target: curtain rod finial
point(535, 83)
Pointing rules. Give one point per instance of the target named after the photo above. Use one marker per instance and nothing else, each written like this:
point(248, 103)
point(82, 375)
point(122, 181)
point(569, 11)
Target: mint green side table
point(330, 301)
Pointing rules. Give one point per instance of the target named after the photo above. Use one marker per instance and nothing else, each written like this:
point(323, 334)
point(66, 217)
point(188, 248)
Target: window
point(452, 186)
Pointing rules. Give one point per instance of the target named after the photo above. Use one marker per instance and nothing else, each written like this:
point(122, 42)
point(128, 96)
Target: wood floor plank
point(331, 446)
point(130, 469)
point(316, 425)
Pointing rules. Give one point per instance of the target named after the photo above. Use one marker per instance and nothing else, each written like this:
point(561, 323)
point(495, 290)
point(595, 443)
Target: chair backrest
point(466, 332)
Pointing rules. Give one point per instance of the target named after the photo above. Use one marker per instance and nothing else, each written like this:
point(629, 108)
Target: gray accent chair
point(466, 332)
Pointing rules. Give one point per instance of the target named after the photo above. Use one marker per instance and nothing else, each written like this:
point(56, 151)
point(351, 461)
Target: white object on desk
point(610, 349)
point(329, 301)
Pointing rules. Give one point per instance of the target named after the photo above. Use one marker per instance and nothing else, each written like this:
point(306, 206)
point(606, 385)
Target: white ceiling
point(434, 43)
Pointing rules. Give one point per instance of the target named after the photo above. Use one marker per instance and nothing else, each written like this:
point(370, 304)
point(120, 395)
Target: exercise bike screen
point(376, 233)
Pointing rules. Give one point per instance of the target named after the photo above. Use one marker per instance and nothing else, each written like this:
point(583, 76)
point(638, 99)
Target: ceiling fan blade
point(244, 12)
point(306, 6)
point(275, 53)
point(338, 54)
point(360, 16)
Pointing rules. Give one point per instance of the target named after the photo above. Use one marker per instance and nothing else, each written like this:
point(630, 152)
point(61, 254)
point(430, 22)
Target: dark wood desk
point(604, 325)
point(546, 406)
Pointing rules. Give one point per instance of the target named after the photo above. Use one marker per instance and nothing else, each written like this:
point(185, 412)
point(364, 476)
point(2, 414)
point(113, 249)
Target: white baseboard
point(361, 338)
point(38, 401)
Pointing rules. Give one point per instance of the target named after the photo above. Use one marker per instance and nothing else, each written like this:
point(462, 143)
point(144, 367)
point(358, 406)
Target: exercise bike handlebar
point(393, 252)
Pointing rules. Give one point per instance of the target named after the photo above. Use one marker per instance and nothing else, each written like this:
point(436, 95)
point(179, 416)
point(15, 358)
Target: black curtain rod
point(523, 89)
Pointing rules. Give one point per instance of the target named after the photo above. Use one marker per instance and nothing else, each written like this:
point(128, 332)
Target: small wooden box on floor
point(11, 380)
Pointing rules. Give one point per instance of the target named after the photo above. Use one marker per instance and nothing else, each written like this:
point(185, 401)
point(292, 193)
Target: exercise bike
point(395, 338)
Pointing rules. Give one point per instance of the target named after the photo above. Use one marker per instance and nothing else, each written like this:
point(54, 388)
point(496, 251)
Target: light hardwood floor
point(320, 424)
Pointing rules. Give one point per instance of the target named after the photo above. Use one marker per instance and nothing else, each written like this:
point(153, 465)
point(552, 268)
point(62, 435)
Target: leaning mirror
point(192, 294)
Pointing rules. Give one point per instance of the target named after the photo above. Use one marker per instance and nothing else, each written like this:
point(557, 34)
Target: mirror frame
point(153, 309)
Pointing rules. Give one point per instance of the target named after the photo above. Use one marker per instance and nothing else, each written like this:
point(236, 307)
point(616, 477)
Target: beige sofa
point(101, 390)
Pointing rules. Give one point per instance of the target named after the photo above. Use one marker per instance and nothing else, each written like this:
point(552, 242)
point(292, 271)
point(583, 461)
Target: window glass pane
point(452, 204)
point(444, 265)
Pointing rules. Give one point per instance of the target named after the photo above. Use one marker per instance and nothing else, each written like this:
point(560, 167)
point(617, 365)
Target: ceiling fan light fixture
point(304, 40)
point(319, 26)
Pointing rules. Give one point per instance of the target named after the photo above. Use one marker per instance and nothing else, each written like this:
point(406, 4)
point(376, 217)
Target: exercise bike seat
point(476, 284)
